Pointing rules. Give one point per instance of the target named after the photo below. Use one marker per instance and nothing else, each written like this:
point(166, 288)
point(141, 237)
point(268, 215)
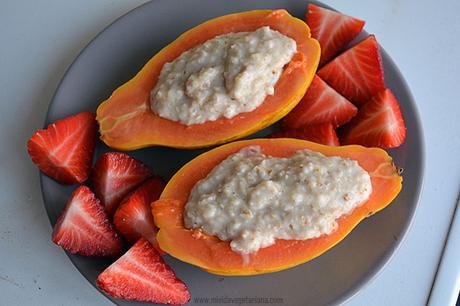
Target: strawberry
point(64, 150)
point(115, 175)
point(379, 123)
point(357, 74)
point(320, 133)
point(84, 227)
point(321, 104)
point(133, 218)
point(142, 275)
point(333, 30)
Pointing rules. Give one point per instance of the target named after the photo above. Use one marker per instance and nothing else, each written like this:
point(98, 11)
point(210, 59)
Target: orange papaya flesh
point(215, 256)
point(127, 123)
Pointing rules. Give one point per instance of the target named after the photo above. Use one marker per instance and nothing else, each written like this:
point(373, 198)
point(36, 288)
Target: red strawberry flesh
point(357, 74)
point(133, 219)
point(115, 175)
point(321, 104)
point(333, 30)
point(320, 133)
point(64, 150)
point(379, 123)
point(142, 275)
point(84, 227)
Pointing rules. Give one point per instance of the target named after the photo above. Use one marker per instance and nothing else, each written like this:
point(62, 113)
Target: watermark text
point(239, 300)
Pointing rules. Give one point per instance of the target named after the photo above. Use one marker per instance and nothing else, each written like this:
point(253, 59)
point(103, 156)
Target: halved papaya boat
point(215, 256)
point(126, 121)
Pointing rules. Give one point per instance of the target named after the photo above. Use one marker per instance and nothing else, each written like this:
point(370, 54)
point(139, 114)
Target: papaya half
point(215, 256)
point(127, 123)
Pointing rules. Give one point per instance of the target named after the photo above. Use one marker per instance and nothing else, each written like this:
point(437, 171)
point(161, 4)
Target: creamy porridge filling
point(223, 77)
point(252, 199)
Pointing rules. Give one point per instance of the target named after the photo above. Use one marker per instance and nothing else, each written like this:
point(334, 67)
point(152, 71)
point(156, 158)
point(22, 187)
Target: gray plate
point(116, 54)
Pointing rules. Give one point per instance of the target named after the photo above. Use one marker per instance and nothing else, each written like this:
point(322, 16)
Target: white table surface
point(38, 41)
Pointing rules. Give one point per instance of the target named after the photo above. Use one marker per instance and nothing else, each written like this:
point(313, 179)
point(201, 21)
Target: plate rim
point(389, 254)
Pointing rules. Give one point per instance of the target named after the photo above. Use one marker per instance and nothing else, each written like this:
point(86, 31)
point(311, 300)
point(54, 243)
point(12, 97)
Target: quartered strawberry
point(142, 275)
point(320, 133)
point(64, 151)
point(357, 74)
point(115, 175)
point(84, 227)
point(333, 30)
point(133, 218)
point(379, 123)
point(321, 104)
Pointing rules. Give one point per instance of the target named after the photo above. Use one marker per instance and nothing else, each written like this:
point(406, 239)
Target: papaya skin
point(127, 123)
point(215, 256)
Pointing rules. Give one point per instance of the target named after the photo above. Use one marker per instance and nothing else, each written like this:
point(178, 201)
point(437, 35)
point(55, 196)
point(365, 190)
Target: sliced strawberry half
point(379, 123)
point(115, 175)
point(333, 30)
point(133, 218)
point(357, 74)
point(84, 227)
point(64, 150)
point(321, 104)
point(320, 133)
point(142, 275)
